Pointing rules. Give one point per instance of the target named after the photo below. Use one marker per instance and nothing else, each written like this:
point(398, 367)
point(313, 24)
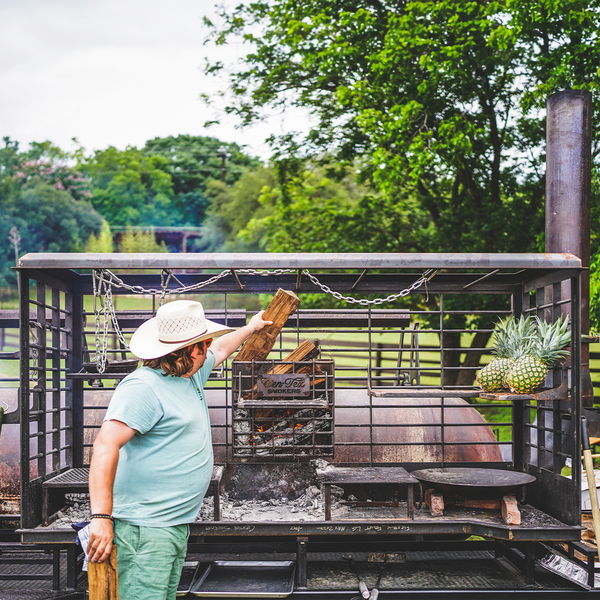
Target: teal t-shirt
point(164, 470)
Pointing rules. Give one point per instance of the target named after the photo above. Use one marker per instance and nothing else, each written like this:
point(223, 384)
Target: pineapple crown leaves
point(551, 339)
point(513, 338)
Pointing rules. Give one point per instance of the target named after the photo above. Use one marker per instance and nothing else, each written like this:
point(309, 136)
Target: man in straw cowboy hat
point(153, 457)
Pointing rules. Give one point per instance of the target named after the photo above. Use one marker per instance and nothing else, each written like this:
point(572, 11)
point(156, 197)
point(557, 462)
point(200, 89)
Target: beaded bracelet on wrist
point(101, 516)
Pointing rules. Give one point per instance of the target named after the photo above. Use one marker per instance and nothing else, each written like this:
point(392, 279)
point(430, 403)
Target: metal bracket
point(559, 393)
point(359, 279)
point(237, 279)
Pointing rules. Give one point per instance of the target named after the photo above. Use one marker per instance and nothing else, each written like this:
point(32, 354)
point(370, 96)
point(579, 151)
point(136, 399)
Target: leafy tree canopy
point(232, 208)
point(44, 201)
point(141, 241)
point(163, 183)
point(442, 99)
point(47, 220)
point(129, 188)
point(194, 160)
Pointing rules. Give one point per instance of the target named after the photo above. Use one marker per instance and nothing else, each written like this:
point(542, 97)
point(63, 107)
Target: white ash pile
point(306, 502)
point(308, 507)
point(77, 510)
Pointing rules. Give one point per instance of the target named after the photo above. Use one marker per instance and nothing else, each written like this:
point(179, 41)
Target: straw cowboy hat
point(176, 325)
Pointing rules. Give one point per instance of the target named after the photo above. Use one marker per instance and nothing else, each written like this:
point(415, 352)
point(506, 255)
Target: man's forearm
point(102, 477)
point(226, 345)
point(113, 436)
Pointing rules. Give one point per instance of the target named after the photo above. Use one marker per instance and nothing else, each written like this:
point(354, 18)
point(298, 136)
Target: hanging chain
point(364, 302)
point(164, 285)
point(108, 303)
point(100, 307)
point(104, 280)
point(109, 279)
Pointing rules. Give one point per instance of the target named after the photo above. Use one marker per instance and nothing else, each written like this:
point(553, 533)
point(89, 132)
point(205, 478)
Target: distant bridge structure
point(174, 237)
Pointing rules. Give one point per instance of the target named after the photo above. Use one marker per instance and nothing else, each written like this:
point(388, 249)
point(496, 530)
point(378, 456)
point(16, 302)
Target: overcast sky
point(111, 72)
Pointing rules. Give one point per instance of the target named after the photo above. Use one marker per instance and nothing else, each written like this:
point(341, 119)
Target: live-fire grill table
point(76, 480)
point(395, 476)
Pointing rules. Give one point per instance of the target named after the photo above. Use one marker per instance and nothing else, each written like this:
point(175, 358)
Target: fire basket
point(283, 409)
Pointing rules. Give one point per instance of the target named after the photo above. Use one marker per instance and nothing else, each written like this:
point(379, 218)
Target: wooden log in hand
point(260, 343)
point(103, 578)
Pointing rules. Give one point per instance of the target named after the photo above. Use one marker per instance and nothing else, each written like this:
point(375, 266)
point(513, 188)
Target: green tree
point(45, 199)
point(130, 187)
point(195, 161)
point(322, 211)
point(595, 257)
point(440, 100)
point(103, 242)
point(48, 220)
point(233, 208)
point(141, 241)
point(162, 184)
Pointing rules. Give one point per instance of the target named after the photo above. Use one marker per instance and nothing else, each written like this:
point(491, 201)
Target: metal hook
point(164, 285)
point(237, 279)
point(427, 276)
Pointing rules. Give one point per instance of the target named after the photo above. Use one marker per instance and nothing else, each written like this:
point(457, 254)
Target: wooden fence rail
point(9, 342)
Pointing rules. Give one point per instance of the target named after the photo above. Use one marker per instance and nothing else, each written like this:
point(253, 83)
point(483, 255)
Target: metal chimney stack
point(568, 194)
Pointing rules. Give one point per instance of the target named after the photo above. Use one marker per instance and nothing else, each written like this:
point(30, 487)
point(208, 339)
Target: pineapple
point(511, 339)
point(529, 371)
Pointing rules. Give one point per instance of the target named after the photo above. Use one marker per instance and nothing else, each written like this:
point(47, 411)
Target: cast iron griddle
point(474, 482)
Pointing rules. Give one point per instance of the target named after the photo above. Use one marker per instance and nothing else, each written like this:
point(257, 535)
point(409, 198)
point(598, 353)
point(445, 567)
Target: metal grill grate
point(72, 476)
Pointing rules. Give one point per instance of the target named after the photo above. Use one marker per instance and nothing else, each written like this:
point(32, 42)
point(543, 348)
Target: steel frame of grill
point(60, 282)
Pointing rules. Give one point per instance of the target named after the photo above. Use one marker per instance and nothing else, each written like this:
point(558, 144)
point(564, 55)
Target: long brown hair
point(179, 362)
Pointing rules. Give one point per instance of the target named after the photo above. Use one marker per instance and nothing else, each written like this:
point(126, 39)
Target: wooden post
point(260, 343)
point(103, 578)
point(591, 477)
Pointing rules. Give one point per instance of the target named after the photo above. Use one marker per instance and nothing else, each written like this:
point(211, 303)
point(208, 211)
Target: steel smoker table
point(395, 476)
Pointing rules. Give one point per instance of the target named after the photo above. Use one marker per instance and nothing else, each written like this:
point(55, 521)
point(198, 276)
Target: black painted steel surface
point(469, 482)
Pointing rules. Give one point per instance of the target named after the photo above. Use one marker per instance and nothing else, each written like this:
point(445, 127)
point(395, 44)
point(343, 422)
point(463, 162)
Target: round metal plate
point(474, 481)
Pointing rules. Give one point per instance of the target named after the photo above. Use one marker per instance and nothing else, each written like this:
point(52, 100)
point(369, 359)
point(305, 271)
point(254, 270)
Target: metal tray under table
point(247, 579)
point(188, 576)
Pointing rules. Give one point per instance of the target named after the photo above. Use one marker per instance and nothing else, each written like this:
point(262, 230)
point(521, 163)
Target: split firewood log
point(103, 578)
point(260, 343)
point(305, 352)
